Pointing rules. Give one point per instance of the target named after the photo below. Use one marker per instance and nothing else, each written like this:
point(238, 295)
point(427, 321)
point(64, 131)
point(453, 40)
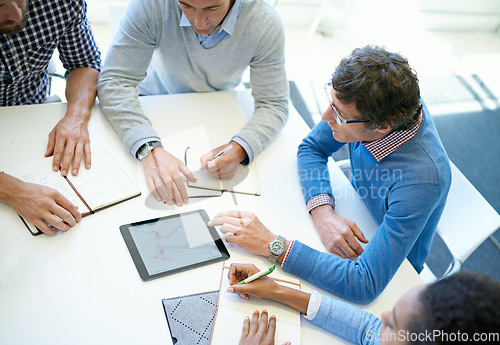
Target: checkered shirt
point(25, 56)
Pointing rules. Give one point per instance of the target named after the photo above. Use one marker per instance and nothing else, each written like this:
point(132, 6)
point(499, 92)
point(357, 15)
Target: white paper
point(233, 309)
point(41, 173)
point(105, 183)
point(244, 181)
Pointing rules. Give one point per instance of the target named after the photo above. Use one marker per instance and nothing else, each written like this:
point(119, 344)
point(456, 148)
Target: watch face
point(277, 247)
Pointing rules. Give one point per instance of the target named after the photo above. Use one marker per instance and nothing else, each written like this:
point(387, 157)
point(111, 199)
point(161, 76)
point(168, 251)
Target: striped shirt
point(379, 149)
point(25, 56)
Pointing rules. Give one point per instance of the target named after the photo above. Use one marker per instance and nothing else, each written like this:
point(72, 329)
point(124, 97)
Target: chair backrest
point(468, 219)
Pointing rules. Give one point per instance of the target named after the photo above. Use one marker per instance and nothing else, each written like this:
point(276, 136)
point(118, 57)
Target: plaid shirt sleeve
point(77, 47)
point(319, 200)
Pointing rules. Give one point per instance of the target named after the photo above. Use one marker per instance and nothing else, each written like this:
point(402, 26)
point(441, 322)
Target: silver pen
point(222, 152)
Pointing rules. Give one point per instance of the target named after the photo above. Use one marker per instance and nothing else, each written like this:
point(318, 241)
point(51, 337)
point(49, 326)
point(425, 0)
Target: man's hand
point(339, 235)
point(259, 332)
point(163, 176)
point(246, 229)
point(224, 166)
point(70, 137)
point(40, 205)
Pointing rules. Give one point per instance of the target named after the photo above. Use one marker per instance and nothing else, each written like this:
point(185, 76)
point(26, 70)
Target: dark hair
point(465, 304)
point(383, 85)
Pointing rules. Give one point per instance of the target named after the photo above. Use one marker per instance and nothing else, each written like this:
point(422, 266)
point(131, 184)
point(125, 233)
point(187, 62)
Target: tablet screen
point(171, 244)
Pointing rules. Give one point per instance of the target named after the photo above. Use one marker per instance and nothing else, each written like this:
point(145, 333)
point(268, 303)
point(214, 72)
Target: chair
point(467, 221)
point(53, 73)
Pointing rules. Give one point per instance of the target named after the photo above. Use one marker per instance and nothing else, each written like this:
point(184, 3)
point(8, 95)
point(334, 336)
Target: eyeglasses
point(338, 118)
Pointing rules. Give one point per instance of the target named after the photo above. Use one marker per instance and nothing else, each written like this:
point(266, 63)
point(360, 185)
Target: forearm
point(125, 67)
point(321, 212)
point(269, 88)
point(293, 298)
point(6, 183)
point(81, 91)
point(312, 161)
point(269, 118)
point(351, 280)
point(347, 321)
point(8, 188)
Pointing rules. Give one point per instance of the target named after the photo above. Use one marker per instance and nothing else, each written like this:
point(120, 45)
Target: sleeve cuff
point(319, 200)
point(287, 252)
point(247, 149)
point(313, 306)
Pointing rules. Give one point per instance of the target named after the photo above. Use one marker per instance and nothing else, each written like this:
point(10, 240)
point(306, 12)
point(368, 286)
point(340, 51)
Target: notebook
point(189, 146)
point(216, 317)
point(103, 185)
point(232, 310)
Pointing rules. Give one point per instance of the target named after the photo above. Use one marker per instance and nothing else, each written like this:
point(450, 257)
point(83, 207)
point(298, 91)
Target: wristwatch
point(276, 248)
point(147, 148)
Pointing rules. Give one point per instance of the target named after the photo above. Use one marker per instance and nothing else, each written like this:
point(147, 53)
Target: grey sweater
point(150, 40)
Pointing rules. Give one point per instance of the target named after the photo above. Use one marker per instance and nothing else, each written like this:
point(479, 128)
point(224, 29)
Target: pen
point(222, 152)
point(258, 275)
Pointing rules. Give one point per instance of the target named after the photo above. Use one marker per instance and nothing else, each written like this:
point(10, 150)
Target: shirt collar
point(227, 24)
point(383, 147)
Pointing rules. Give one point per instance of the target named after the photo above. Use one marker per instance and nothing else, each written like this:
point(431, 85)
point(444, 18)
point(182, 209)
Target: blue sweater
point(405, 193)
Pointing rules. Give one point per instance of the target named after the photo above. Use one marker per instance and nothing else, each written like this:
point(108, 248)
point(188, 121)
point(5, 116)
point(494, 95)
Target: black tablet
point(172, 244)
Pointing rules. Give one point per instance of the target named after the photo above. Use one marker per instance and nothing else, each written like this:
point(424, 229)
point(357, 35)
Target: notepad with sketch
point(103, 185)
point(189, 146)
point(232, 310)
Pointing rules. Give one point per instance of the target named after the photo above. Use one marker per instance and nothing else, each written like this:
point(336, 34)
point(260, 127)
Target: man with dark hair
point(30, 32)
point(398, 166)
point(179, 46)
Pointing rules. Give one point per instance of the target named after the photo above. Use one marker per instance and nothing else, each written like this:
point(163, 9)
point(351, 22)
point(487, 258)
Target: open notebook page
point(245, 180)
point(105, 183)
point(176, 145)
point(232, 310)
point(40, 172)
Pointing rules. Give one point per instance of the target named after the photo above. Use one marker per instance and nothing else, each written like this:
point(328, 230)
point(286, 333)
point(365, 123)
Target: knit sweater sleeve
point(312, 160)
point(348, 322)
point(125, 67)
point(268, 82)
point(362, 280)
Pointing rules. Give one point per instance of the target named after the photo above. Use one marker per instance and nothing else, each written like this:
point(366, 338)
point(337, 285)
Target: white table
point(81, 287)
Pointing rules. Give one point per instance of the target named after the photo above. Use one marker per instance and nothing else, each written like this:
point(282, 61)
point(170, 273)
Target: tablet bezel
point(139, 263)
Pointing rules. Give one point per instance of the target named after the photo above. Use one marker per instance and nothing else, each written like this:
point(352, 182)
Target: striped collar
point(383, 147)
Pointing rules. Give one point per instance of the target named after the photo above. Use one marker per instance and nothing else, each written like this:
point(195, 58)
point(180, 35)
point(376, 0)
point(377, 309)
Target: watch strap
point(147, 148)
